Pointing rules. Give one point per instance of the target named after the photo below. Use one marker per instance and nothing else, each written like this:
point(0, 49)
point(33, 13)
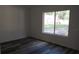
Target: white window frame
point(54, 24)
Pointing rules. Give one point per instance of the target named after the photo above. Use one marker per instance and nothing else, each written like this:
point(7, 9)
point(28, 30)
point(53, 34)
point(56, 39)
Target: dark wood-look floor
point(31, 46)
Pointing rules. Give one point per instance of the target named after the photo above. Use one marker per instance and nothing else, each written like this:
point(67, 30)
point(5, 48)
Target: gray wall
point(36, 26)
point(0, 49)
point(13, 22)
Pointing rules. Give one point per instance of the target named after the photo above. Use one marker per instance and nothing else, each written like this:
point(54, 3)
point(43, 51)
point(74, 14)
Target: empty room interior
point(39, 29)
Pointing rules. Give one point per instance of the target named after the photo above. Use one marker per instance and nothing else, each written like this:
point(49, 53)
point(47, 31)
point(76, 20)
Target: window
point(56, 22)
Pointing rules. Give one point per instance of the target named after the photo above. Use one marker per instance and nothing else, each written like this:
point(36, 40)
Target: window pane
point(48, 22)
point(62, 22)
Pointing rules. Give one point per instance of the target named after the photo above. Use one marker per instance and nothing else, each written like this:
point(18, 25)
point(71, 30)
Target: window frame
point(54, 23)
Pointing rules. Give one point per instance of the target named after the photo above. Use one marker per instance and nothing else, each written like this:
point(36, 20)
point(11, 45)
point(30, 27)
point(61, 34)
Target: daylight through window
point(56, 22)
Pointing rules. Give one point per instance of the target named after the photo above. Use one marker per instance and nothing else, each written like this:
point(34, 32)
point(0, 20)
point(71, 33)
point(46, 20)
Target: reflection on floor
point(32, 46)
